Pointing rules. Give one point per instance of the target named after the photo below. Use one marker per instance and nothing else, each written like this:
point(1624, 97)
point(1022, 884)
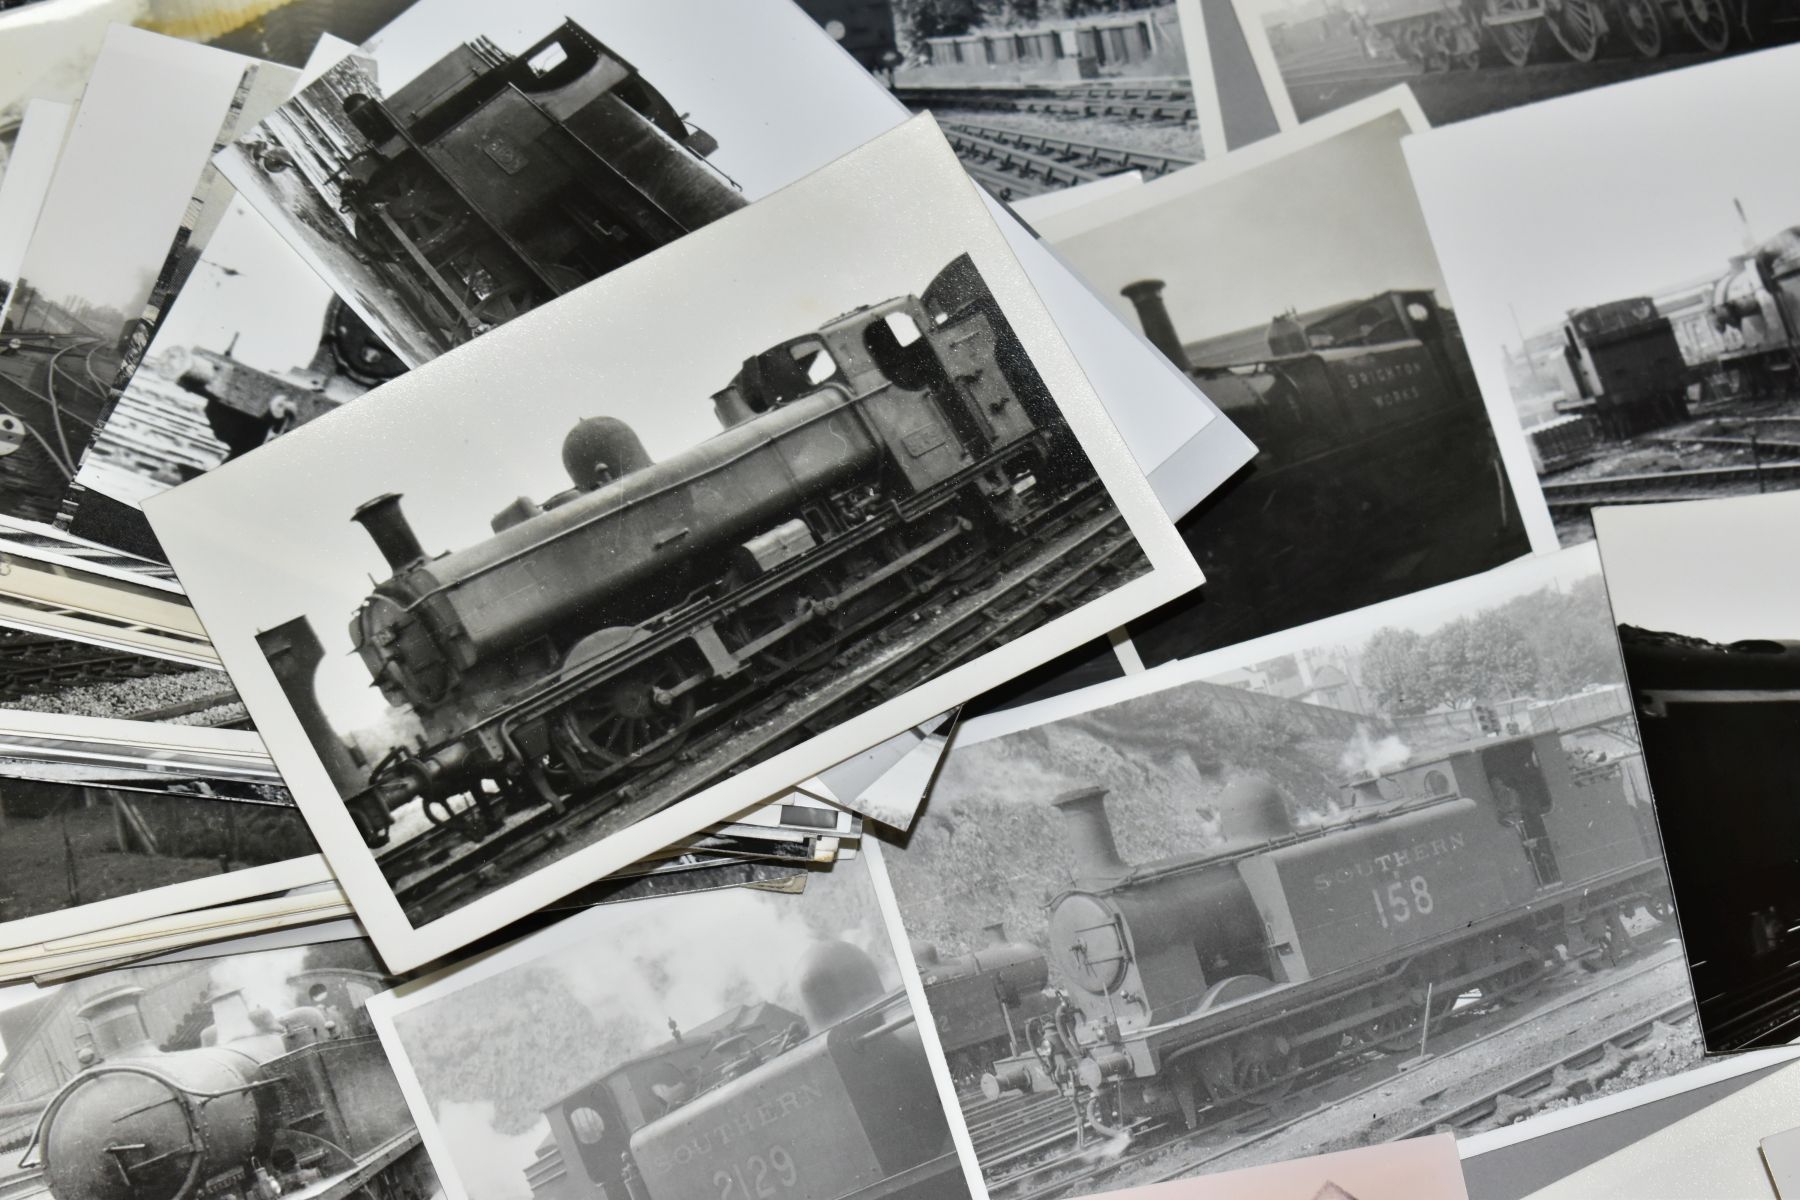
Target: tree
point(1394, 669)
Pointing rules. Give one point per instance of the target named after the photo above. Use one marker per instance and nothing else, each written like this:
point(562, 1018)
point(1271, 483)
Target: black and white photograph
point(1711, 639)
point(1641, 345)
point(498, 178)
point(29, 166)
point(254, 346)
point(1339, 887)
point(869, 497)
point(53, 587)
point(1045, 94)
point(722, 1044)
point(1465, 58)
point(79, 857)
point(92, 273)
point(247, 1073)
point(46, 673)
point(1294, 282)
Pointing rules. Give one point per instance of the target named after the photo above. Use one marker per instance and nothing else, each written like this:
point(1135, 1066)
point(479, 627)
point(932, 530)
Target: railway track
point(1169, 101)
point(1025, 163)
point(1067, 559)
point(1661, 486)
point(31, 663)
point(1243, 1129)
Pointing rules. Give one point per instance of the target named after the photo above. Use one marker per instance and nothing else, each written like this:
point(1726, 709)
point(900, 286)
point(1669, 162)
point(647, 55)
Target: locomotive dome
point(836, 980)
point(601, 449)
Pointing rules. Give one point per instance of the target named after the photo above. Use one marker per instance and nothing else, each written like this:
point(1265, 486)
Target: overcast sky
point(1610, 193)
point(1329, 223)
point(1724, 570)
point(141, 138)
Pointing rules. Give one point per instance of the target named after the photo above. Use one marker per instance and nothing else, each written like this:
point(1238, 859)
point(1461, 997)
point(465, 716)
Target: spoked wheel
point(1707, 21)
point(1641, 23)
point(1257, 1068)
point(623, 721)
point(1577, 27)
point(1512, 42)
point(1462, 40)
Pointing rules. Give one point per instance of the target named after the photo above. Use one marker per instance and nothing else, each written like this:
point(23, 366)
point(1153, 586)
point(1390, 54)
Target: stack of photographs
point(900, 601)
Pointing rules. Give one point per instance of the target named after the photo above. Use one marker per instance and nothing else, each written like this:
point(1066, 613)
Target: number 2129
point(755, 1177)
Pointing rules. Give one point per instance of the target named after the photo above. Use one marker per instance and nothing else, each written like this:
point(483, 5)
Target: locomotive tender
point(495, 182)
point(983, 1001)
point(263, 1106)
point(837, 1104)
point(860, 468)
point(1205, 979)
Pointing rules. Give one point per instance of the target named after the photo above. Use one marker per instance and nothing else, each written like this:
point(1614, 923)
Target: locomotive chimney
point(115, 1019)
point(388, 528)
point(1153, 315)
point(996, 933)
point(294, 654)
point(1090, 834)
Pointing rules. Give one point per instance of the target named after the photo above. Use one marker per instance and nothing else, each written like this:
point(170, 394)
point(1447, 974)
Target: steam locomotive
point(493, 182)
point(265, 1105)
point(861, 466)
point(247, 406)
point(762, 1101)
point(1208, 979)
point(982, 1001)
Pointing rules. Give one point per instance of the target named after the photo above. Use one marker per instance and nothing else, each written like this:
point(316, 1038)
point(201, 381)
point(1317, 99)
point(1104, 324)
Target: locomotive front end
point(844, 1113)
point(142, 1124)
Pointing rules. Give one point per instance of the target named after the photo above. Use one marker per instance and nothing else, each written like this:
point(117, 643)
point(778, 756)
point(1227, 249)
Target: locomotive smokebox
point(836, 981)
point(601, 449)
point(1254, 810)
point(389, 530)
point(1090, 834)
point(1153, 315)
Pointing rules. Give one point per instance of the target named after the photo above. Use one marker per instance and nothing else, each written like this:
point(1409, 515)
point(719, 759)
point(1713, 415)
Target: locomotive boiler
point(860, 466)
point(264, 1105)
point(1207, 979)
point(836, 1103)
point(983, 1001)
point(495, 182)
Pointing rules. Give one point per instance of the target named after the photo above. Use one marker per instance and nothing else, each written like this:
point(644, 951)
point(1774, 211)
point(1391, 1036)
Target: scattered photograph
point(498, 178)
point(42, 672)
point(823, 529)
point(99, 1080)
point(722, 1044)
point(29, 166)
point(1045, 94)
point(1711, 639)
point(95, 274)
point(75, 858)
point(1295, 283)
point(253, 347)
point(1421, 1168)
point(86, 599)
point(1344, 886)
point(1467, 59)
point(1642, 345)
point(188, 759)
